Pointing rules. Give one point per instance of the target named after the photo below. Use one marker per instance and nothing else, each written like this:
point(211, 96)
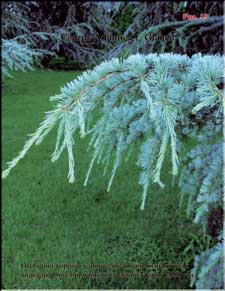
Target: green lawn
point(48, 220)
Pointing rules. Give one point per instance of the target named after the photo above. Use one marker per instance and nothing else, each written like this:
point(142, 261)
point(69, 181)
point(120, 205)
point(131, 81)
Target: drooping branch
point(157, 86)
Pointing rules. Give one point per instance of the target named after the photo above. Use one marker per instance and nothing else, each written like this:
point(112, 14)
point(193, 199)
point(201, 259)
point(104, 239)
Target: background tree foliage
point(165, 19)
point(77, 31)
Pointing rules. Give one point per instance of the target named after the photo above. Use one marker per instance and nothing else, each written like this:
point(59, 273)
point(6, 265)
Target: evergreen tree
point(19, 49)
point(157, 87)
point(17, 56)
point(156, 99)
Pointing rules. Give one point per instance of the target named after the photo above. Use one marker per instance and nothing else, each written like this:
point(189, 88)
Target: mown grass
point(48, 220)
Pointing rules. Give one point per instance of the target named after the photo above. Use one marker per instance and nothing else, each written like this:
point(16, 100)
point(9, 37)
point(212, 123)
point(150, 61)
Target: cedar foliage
point(140, 96)
point(78, 30)
point(19, 44)
point(160, 27)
